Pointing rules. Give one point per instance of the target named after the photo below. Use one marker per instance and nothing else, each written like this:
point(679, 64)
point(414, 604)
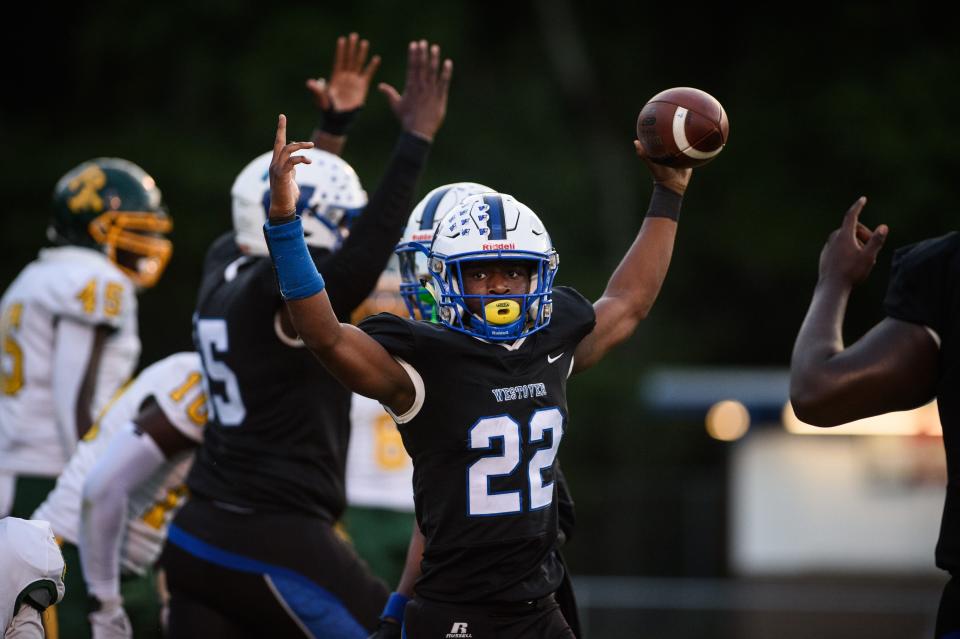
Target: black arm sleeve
point(352, 272)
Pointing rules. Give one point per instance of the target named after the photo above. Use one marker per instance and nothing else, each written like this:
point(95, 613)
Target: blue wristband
point(296, 273)
point(395, 607)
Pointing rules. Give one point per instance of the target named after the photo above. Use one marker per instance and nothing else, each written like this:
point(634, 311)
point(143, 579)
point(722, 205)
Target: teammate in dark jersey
point(255, 553)
point(481, 398)
point(412, 253)
point(905, 361)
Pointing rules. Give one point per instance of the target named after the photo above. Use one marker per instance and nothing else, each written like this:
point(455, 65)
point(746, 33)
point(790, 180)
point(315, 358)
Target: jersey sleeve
point(179, 391)
point(923, 283)
point(393, 333)
point(574, 312)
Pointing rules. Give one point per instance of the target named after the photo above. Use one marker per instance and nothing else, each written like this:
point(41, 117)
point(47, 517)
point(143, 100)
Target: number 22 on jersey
point(482, 502)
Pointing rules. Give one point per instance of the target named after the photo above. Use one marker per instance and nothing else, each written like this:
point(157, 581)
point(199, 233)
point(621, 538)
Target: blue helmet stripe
point(498, 225)
point(430, 210)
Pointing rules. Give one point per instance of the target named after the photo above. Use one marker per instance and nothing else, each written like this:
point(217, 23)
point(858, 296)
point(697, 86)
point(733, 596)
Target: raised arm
point(353, 357)
point(354, 270)
point(341, 98)
point(892, 367)
point(635, 284)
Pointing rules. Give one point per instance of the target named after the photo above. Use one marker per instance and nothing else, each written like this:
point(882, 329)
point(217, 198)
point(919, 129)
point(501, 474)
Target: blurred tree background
point(826, 106)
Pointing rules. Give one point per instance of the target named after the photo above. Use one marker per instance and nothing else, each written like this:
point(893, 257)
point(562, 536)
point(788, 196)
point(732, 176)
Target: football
point(683, 127)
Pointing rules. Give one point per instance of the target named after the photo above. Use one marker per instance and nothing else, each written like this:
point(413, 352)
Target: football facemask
point(413, 249)
point(331, 199)
point(493, 227)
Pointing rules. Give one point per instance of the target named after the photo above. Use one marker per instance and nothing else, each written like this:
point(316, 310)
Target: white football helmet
point(331, 198)
point(493, 226)
point(415, 244)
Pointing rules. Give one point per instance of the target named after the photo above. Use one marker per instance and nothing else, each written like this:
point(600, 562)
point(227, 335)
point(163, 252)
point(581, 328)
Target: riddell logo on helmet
point(422, 236)
point(499, 246)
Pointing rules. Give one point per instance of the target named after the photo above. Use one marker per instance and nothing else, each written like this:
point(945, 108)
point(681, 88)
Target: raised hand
point(349, 79)
point(674, 179)
point(284, 191)
point(851, 251)
point(423, 105)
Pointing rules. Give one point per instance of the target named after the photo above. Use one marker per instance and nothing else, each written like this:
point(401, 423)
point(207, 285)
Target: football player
point(412, 256)
point(906, 360)
point(267, 484)
point(117, 495)
point(31, 576)
point(480, 399)
point(68, 322)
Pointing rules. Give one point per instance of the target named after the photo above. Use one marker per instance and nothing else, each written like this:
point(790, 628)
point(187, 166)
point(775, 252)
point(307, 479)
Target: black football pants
point(265, 575)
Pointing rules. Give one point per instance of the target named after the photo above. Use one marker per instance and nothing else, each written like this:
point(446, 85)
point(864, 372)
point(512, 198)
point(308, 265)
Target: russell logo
point(459, 631)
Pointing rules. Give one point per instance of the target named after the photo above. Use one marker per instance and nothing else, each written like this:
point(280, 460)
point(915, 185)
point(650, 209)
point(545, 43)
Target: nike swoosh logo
point(551, 360)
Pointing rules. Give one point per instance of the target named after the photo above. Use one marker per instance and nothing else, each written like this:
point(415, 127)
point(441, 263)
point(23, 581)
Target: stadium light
point(728, 420)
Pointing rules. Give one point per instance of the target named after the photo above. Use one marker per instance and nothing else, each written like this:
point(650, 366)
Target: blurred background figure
point(267, 485)
point(904, 362)
point(112, 505)
point(69, 321)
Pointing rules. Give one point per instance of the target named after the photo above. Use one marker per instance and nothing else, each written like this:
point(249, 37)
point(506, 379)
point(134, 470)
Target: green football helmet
point(114, 206)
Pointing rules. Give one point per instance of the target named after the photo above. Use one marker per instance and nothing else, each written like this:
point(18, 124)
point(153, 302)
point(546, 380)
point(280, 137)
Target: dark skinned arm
point(893, 367)
point(411, 569)
point(84, 408)
point(357, 360)
point(168, 438)
point(636, 282)
point(390, 627)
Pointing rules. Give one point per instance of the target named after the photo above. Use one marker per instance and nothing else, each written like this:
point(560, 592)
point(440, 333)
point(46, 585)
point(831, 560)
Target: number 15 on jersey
point(227, 406)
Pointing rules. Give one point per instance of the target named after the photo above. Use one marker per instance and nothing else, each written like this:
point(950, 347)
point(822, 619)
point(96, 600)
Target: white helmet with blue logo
point(331, 198)
point(415, 244)
point(494, 227)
